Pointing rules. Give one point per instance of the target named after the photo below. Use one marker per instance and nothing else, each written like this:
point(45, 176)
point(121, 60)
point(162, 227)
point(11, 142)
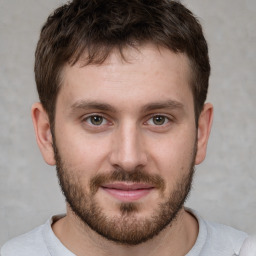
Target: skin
point(152, 82)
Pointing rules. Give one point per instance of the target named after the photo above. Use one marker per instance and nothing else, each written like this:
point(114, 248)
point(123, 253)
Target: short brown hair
point(99, 26)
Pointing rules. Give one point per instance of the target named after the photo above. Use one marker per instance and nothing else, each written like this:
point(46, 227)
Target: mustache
point(137, 175)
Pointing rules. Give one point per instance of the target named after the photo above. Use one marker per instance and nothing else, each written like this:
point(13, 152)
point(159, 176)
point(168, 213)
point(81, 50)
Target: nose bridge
point(128, 150)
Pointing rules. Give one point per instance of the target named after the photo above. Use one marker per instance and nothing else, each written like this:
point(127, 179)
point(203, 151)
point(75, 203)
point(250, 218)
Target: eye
point(96, 120)
point(158, 120)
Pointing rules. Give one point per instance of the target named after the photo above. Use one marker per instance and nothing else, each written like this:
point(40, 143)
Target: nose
point(128, 150)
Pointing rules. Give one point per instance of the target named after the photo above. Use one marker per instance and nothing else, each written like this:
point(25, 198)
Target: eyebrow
point(87, 104)
point(169, 104)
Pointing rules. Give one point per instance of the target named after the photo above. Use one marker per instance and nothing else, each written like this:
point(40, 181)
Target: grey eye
point(96, 120)
point(159, 120)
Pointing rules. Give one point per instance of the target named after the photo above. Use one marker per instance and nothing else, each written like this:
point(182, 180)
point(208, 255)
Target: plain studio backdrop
point(224, 188)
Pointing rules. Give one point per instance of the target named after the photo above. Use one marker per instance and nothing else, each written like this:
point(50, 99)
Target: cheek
point(82, 152)
point(173, 156)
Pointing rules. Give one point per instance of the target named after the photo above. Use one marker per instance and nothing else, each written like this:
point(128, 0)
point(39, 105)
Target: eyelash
point(166, 120)
point(87, 119)
point(105, 121)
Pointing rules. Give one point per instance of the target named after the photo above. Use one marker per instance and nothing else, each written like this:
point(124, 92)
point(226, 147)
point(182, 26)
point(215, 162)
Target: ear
point(43, 132)
point(203, 132)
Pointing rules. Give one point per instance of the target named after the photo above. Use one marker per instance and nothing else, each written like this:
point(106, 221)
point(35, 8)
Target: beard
point(126, 228)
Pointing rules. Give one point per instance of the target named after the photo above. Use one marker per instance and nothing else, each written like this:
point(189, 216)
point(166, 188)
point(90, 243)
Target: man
point(122, 115)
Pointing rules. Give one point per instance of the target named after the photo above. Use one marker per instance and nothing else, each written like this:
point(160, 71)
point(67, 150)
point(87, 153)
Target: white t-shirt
point(213, 240)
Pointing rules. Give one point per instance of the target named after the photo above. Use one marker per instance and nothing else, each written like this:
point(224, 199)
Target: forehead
point(145, 74)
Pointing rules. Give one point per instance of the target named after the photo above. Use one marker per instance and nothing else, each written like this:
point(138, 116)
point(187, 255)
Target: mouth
point(128, 192)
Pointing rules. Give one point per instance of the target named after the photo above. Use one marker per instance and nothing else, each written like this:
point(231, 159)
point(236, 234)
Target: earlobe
point(43, 132)
point(203, 132)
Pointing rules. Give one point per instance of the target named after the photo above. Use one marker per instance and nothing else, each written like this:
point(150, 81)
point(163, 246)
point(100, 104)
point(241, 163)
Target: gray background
point(225, 185)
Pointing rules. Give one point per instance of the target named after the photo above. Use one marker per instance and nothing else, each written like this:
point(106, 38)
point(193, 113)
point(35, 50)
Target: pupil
point(96, 120)
point(159, 120)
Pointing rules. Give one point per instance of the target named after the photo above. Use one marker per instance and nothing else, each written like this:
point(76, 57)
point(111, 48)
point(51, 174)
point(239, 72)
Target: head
point(122, 86)
point(99, 27)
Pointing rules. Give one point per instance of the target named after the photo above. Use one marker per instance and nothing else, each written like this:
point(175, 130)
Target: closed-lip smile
point(127, 192)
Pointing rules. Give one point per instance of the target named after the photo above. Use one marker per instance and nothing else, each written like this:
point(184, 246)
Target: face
point(125, 142)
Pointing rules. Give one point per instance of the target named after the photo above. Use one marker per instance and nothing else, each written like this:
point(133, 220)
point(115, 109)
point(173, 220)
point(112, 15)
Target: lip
point(128, 192)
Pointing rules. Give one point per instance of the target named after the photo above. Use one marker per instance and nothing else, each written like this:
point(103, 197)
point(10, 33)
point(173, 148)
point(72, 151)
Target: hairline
point(115, 49)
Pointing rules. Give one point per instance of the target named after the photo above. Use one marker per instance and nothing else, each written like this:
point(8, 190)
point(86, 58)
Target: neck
point(176, 239)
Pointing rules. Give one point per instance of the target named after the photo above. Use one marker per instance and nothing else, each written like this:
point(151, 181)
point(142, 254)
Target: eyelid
point(86, 117)
point(108, 121)
point(168, 117)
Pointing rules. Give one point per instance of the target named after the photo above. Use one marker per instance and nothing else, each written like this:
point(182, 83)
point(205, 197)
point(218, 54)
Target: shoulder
point(224, 238)
point(31, 243)
point(226, 234)
point(249, 247)
point(217, 239)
